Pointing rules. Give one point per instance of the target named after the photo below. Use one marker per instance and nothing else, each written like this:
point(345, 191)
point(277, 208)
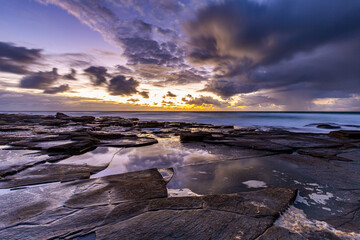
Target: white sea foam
point(321, 198)
point(296, 221)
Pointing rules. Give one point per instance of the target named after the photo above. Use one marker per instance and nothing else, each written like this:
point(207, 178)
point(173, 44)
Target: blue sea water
point(292, 121)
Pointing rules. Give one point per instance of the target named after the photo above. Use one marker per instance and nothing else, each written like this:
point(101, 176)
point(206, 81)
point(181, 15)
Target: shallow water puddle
point(231, 176)
point(162, 155)
point(255, 184)
point(9, 190)
point(101, 156)
point(203, 171)
point(46, 145)
point(19, 157)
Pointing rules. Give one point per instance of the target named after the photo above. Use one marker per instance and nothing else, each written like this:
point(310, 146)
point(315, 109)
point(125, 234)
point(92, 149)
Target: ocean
point(291, 121)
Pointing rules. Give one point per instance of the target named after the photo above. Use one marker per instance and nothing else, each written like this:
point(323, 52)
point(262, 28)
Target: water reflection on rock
point(229, 177)
point(216, 170)
point(101, 156)
point(165, 154)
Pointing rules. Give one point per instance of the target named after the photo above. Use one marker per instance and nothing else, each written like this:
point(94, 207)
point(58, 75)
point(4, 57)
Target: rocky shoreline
point(46, 196)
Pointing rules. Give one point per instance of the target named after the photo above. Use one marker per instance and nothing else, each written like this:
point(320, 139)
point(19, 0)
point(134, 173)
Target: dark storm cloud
point(40, 80)
point(14, 59)
point(59, 89)
point(203, 101)
point(272, 31)
point(122, 87)
point(97, 75)
point(296, 50)
point(332, 71)
point(226, 89)
point(232, 67)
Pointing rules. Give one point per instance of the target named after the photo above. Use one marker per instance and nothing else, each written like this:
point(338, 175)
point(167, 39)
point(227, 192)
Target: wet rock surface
point(135, 206)
point(78, 198)
point(47, 173)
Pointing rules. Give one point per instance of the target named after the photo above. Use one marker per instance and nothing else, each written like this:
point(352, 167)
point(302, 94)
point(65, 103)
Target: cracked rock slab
point(135, 206)
point(48, 173)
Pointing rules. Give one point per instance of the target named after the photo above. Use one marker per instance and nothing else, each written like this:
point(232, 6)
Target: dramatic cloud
point(147, 51)
point(97, 75)
point(71, 75)
point(181, 78)
point(19, 54)
point(275, 54)
point(144, 94)
point(203, 101)
point(7, 66)
point(73, 60)
point(167, 103)
point(40, 80)
point(15, 59)
point(133, 100)
point(44, 81)
point(271, 31)
point(226, 89)
point(122, 87)
point(50, 102)
point(297, 50)
point(151, 71)
point(123, 70)
point(256, 101)
point(59, 89)
point(142, 42)
point(170, 94)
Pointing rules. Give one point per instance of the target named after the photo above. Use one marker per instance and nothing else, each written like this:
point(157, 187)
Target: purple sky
point(238, 55)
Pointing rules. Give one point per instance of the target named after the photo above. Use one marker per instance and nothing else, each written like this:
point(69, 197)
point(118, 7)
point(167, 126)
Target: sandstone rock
point(129, 142)
point(83, 119)
point(47, 173)
point(345, 134)
point(280, 233)
point(328, 126)
point(74, 147)
point(60, 115)
point(135, 206)
point(151, 124)
point(194, 136)
point(55, 122)
point(102, 135)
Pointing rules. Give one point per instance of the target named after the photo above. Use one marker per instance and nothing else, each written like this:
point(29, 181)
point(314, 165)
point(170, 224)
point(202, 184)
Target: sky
point(193, 55)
